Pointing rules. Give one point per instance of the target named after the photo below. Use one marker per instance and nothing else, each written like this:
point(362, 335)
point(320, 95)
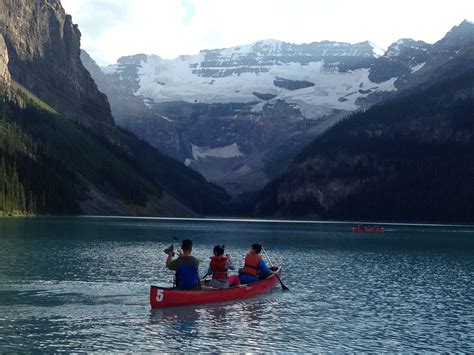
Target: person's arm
point(169, 259)
point(172, 264)
point(209, 270)
point(197, 262)
point(230, 264)
point(262, 266)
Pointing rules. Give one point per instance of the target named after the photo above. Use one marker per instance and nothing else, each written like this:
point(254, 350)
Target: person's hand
point(170, 251)
point(180, 252)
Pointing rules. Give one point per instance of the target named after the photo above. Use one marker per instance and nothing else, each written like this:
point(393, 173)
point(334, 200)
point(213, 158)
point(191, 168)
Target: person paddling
point(218, 268)
point(186, 266)
point(254, 268)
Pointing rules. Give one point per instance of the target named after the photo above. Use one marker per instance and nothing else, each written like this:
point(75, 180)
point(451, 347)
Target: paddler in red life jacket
point(218, 268)
point(186, 266)
point(255, 268)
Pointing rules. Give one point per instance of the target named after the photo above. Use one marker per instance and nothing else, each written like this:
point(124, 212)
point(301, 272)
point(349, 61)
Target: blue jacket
point(247, 279)
point(186, 268)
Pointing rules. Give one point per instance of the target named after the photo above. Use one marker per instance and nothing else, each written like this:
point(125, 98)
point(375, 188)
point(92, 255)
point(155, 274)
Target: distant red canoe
point(368, 229)
point(161, 297)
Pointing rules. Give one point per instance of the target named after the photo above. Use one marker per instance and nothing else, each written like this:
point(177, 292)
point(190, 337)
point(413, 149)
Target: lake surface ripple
point(82, 284)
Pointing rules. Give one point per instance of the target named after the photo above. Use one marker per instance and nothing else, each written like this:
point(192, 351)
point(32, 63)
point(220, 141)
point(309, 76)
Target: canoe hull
point(161, 297)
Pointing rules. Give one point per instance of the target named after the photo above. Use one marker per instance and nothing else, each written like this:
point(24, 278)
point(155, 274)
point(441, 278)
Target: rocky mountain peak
point(467, 24)
point(460, 36)
point(407, 47)
point(44, 51)
point(132, 59)
point(405, 57)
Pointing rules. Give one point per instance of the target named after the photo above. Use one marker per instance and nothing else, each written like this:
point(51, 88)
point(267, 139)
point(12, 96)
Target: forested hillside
point(50, 165)
point(411, 158)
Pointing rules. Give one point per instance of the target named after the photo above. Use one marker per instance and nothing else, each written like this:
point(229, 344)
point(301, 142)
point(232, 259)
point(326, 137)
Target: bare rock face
point(44, 50)
point(4, 72)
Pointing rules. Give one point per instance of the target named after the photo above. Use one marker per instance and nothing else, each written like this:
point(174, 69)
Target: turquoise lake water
point(82, 284)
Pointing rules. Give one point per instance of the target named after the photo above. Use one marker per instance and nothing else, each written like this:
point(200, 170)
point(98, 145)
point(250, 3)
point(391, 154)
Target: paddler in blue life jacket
point(255, 268)
point(186, 266)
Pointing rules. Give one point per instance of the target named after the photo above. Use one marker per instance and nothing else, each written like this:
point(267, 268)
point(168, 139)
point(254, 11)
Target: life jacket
point(251, 265)
point(218, 267)
point(187, 272)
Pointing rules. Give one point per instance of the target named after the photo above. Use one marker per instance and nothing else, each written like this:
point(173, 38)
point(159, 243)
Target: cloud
point(97, 16)
point(113, 28)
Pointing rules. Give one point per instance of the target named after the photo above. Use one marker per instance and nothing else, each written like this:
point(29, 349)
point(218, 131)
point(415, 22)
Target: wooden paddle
point(283, 287)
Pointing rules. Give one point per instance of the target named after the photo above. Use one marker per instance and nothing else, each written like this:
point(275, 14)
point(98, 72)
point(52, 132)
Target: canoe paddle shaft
point(283, 287)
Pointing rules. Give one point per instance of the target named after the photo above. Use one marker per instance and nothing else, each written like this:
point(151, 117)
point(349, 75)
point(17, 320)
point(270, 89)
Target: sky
point(169, 28)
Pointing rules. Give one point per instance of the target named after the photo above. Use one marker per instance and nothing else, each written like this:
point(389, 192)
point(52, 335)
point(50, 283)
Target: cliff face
point(125, 105)
point(4, 73)
point(44, 49)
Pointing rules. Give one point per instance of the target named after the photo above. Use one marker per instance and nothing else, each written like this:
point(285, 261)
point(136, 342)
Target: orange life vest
point(218, 267)
point(251, 265)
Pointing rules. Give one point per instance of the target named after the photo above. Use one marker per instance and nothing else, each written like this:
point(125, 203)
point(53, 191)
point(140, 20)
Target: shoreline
point(245, 220)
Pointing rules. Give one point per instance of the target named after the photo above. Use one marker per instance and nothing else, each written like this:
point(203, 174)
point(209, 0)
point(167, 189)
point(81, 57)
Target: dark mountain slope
point(411, 158)
point(58, 163)
point(63, 168)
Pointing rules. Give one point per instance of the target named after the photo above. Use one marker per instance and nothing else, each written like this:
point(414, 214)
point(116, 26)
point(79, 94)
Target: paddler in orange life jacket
point(255, 268)
point(218, 268)
point(186, 266)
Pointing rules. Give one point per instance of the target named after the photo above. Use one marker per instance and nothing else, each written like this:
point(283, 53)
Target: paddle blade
point(283, 287)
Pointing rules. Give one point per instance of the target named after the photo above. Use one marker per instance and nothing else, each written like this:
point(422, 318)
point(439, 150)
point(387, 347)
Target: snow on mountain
point(230, 151)
point(378, 51)
point(167, 80)
point(417, 67)
point(332, 71)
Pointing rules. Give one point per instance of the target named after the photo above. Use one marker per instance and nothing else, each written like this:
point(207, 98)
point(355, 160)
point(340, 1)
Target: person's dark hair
point(219, 250)
point(257, 248)
point(187, 245)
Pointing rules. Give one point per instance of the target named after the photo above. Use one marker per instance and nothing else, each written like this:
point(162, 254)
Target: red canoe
point(161, 297)
point(368, 229)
